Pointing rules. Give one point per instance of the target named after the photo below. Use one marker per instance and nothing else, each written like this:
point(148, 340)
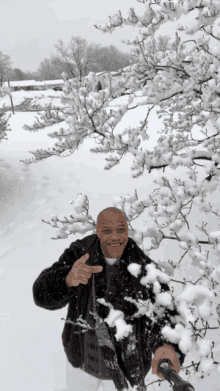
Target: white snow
point(30, 337)
point(134, 269)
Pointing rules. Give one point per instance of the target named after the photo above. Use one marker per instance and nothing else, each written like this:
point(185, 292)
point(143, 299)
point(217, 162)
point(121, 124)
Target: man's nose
point(115, 236)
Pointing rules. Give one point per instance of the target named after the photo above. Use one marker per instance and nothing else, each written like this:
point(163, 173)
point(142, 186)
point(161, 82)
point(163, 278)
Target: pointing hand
point(80, 272)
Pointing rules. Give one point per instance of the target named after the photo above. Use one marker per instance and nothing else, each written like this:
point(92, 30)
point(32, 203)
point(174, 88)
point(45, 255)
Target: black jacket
point(51, 292)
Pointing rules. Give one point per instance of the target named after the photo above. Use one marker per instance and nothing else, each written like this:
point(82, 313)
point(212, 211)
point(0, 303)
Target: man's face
point(112, 230)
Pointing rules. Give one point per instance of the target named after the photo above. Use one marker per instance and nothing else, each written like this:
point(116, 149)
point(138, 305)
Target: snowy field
point(32, 356)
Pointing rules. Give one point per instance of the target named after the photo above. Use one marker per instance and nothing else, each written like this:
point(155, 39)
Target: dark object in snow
point(99, 86)
point(57, 88)
point(172, 377)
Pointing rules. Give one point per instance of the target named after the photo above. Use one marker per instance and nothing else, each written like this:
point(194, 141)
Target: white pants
point(78, 380)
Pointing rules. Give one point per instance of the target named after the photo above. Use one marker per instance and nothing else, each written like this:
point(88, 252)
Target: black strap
point(78, 296)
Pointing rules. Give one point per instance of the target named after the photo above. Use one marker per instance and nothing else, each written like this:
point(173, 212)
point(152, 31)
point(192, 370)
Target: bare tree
point(32, 75)
point(47, 70)
point(78, 58)
point(5, 66)
point(111, 58)
point(18, 74)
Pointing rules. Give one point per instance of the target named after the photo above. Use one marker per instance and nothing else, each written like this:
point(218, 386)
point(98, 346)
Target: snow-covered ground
point(32, 356)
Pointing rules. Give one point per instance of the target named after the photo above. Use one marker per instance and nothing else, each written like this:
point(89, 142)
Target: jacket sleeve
point(50, 290)
point(153, 330)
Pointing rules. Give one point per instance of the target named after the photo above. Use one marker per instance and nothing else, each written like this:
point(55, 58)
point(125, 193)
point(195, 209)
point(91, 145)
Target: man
point(93, 268)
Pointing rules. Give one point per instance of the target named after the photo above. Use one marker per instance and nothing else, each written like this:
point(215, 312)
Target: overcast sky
point(29, 29)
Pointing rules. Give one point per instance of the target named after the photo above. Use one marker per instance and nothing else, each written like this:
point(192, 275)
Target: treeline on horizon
point(77, 58)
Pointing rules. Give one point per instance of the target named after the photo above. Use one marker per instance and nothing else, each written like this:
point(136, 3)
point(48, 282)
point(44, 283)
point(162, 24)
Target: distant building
point(34, 85)
point(101, 77)
point(21, 84)
point(49, 84)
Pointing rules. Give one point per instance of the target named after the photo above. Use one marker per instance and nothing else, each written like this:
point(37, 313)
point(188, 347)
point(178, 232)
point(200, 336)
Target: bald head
point(112, 230)
point(111, 213)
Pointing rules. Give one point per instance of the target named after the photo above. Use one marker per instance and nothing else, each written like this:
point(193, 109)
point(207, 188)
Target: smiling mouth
point(115, 245)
